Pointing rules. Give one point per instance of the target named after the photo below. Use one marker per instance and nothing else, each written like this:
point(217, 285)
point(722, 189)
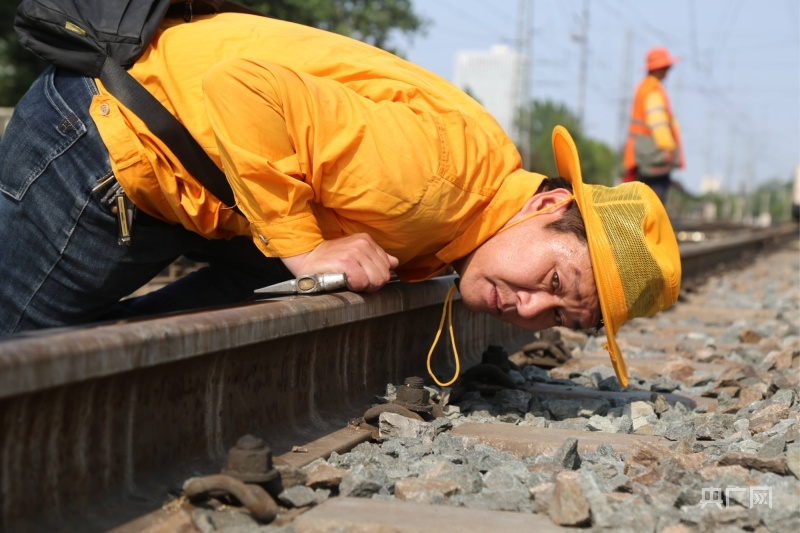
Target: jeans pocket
point(42, 128)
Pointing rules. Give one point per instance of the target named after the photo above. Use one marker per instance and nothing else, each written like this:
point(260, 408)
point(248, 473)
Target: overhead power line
point(582, 39)
point(465, 14)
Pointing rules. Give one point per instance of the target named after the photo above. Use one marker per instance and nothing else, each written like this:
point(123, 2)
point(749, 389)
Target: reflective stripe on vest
point(639, 127)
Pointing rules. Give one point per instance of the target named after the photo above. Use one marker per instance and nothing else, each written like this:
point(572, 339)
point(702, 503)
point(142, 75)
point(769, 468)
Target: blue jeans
point(61, 263)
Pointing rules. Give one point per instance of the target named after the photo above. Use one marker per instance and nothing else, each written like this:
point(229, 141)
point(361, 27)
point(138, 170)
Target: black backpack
point(101, 38)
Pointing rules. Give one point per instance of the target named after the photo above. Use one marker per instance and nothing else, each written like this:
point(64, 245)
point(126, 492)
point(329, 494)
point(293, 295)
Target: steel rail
point(58, 357)
point(94, 415)
point(698, 259)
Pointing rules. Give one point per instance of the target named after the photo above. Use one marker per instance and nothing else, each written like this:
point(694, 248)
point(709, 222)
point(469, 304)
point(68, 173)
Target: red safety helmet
point(659, 58)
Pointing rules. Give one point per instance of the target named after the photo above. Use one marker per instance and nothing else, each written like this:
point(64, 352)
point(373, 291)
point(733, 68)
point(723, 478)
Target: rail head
point(57, 357)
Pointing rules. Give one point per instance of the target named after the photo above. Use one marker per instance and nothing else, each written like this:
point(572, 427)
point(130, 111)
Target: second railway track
point(99, 424)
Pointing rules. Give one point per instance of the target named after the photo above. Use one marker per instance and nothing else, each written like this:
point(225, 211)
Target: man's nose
point(534, 304)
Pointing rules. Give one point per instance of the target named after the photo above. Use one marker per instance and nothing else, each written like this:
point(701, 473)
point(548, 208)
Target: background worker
point(653, 148)
point(342, 158)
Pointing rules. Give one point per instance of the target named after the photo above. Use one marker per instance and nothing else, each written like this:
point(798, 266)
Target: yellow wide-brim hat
point(634, 253)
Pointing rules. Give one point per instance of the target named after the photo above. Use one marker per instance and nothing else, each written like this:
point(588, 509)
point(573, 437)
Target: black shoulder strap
point(166, 127)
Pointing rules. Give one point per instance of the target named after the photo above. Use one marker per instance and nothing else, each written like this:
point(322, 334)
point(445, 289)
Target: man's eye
point(556, 282)
point(559, 319)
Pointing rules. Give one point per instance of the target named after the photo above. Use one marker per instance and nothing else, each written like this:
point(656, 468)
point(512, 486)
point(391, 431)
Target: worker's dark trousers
point(659, 184)
point(60, 262)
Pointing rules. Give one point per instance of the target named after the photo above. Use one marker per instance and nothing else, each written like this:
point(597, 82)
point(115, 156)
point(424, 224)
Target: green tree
point(774, 196)
point(597, 161)
point(18, 68)
point(373, 21)
point(539, 118)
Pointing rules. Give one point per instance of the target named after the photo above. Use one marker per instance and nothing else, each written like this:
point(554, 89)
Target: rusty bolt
point(253, 497)
point(414, 382)
point(413, 396)
point(250, 461)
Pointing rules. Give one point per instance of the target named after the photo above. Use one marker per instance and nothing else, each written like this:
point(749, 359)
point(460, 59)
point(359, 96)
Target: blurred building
point(493, 78)
point(710, 184)
point(709, 211)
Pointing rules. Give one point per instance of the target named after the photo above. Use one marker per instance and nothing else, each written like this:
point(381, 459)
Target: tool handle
point(321, 283)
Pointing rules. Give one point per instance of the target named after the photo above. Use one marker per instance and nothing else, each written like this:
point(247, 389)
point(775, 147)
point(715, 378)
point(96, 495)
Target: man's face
point(532, 277)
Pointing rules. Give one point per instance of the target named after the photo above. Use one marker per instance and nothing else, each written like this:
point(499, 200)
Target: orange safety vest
point(638, 126)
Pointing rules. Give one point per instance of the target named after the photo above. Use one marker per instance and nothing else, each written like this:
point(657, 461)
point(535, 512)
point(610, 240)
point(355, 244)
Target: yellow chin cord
point(447, 311)
point(550, 207)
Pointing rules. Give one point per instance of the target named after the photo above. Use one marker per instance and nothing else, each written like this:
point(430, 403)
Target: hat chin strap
point(447, 311)
point(537, 213)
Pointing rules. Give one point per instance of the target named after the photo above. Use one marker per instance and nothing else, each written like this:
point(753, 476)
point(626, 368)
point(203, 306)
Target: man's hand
point(366, 264)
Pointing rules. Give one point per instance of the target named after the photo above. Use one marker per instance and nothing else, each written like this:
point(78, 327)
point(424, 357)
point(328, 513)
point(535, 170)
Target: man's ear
point(543, 200)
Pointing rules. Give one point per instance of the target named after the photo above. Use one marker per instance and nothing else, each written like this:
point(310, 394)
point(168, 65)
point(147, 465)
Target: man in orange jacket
point(341, 157)
point(653, 148)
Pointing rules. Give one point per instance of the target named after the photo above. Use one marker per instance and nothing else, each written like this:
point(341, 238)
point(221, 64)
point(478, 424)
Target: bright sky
point(736, 91)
